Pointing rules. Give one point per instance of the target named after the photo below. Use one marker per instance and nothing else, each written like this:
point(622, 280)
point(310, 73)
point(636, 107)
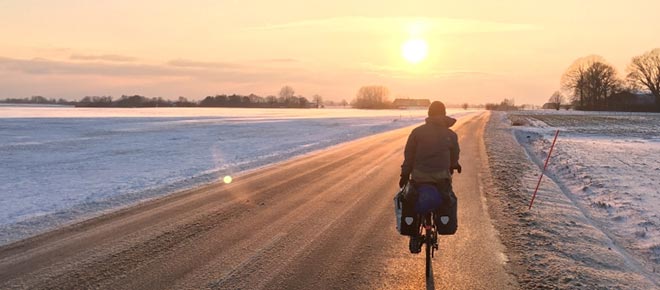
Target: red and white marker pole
point(544, 167)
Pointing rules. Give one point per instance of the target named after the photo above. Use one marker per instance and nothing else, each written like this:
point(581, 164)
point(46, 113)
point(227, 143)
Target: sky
point(478, 51)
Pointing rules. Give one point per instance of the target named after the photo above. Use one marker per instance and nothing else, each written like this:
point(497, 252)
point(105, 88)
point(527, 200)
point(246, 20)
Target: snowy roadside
point(609, 164)
point(560, 243)
point(58, 169)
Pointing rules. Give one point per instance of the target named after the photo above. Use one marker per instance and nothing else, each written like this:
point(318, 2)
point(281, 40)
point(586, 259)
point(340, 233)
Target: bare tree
point(293, 102)
point(591, 81)
point(465, 106)
point(318, 100)
point(556, 100)
point(344, 103)
point(372, 97)
point(288, 98)
point(508, 102)
point(286, 93)
point(302, 102)
point(644, 71)
point(271, 100)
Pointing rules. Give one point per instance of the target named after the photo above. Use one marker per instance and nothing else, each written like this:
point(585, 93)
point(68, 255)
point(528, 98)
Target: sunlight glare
point(414, 50)
point(227, 179)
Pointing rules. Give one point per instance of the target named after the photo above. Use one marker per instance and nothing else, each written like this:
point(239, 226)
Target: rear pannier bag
point(446, 217)
point(408, 221)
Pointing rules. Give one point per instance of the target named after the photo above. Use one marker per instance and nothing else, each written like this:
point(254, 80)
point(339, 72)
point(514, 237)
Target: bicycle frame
point(430, 237)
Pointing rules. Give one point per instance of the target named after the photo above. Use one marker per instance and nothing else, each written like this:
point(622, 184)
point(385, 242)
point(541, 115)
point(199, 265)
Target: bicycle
point(430, 231)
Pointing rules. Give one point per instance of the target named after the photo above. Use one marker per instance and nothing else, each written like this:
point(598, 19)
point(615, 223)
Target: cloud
point(204, 71)
point(46, 66)
point(226, 65)
point(104, 57)
point(414, 25)
point(201, 64)
point(280, 60)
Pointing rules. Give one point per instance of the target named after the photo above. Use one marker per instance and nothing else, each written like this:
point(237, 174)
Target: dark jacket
point(431, 147)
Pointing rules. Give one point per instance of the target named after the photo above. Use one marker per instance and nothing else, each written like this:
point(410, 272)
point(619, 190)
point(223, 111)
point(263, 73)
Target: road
point(320, 221)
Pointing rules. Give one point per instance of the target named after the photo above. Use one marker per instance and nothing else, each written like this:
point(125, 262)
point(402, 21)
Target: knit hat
point(437, 108)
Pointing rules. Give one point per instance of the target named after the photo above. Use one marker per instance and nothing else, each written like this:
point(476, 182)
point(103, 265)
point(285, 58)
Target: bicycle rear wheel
point(429, 244)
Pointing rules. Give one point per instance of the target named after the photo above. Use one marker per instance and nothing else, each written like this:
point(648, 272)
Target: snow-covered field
point(31, 111)
point(63, 164)
point(608, 165)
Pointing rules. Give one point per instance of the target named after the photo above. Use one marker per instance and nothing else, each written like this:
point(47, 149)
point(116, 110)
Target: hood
point(443, 121)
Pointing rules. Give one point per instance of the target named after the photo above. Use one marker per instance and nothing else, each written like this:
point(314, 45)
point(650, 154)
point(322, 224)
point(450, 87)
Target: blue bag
point(429, 199)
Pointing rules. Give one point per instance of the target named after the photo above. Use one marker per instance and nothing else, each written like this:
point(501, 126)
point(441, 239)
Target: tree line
point(593, 84)
point(36, 100)
point(285, 99)
point(368, 97)
point(504, 105)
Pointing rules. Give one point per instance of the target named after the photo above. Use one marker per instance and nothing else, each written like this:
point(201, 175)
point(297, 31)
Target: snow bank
point(608, 165)
point(61, 165)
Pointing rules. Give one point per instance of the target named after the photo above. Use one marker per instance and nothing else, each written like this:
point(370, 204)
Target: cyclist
point(431, 155)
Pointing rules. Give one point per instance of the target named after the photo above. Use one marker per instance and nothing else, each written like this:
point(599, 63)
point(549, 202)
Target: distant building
point(644, 100)
point(553, 106)
point(411, 103)
point(632, 101)
point(550, 106)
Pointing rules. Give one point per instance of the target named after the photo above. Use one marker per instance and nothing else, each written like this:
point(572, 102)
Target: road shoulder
point(554, 245)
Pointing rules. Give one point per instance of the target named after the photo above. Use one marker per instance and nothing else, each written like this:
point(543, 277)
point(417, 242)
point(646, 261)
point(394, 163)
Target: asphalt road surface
point(321, 221)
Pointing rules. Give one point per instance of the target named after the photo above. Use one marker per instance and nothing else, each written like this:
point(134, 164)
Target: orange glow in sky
point(472, 52)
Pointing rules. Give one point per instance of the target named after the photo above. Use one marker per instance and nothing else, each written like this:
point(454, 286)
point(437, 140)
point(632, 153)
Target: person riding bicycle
point(431, 155)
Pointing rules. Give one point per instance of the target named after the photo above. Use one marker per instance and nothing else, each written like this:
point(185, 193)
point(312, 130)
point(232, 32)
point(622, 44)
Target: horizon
point(509, 49)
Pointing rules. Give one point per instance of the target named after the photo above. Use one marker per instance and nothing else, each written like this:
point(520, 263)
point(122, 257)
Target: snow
point(64, 164)
point(558, 244)
point(608, 165)
point(31, 111)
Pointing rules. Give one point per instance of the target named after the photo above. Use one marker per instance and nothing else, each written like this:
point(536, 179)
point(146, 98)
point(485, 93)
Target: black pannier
point(408, 221)
point(446, 217)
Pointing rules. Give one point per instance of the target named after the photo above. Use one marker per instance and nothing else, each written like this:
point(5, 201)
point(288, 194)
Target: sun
point(414, 50)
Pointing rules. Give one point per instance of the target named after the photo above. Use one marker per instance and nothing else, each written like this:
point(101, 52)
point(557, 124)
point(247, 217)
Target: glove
point(457, 168)
point(404, 180)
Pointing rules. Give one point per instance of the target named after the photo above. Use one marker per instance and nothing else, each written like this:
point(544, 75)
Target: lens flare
point(227, 179)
